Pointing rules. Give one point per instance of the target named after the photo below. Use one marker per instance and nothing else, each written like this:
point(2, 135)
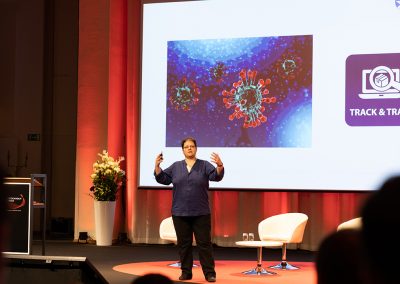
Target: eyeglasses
point(189, 146)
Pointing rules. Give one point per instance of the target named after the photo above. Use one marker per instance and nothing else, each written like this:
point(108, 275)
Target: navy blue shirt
point(190, 189)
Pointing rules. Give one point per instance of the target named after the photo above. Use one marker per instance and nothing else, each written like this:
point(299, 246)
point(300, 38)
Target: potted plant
point(107, 178)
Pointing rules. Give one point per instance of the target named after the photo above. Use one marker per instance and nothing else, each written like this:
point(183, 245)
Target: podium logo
point(17, 202)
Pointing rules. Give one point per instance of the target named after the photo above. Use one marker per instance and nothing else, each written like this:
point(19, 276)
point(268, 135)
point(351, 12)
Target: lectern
point(24, 196)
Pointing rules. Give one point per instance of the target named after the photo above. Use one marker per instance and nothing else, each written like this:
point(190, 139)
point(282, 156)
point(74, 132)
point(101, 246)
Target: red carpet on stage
point(228, 272)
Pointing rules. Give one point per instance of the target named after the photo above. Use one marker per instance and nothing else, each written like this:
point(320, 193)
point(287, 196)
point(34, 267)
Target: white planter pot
point(104, 212)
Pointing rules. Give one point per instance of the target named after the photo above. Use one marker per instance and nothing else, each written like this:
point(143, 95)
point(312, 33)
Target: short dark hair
point(189, 139)
point(331, 264)
point(380, 222)
point(152, 278)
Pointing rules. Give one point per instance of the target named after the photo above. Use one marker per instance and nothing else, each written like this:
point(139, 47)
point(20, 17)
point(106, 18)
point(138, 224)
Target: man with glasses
point(190, 206)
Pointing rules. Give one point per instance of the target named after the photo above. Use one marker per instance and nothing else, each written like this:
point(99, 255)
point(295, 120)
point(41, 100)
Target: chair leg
point(178, 264)
point(258, 270)
point(284, 265)
point(175, 264)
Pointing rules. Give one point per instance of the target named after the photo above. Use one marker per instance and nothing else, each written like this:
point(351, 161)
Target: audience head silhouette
point(381, 221)
point(152, 278)
point(339, 258)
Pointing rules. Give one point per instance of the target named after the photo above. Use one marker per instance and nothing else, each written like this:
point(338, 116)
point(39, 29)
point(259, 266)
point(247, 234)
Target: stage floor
point(229, 272)
point(121, 263)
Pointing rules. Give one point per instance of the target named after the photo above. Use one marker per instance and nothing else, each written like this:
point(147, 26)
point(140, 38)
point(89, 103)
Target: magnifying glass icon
point(380, 74)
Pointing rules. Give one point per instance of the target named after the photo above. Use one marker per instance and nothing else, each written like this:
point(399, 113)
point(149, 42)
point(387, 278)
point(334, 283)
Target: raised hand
point(159, 159)
point(216, 159)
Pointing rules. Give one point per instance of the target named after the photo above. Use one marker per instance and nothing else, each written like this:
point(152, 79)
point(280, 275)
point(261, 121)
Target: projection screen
point(293, 95)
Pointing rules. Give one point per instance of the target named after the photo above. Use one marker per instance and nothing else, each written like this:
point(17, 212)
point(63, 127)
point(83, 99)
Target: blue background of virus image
point(214, 65)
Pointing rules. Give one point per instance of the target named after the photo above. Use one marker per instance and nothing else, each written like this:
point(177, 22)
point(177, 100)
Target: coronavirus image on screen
point(241, 92)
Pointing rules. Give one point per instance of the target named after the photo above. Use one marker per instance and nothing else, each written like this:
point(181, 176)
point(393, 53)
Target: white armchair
point(286, 228)
point(354, 224)
point(168, 233)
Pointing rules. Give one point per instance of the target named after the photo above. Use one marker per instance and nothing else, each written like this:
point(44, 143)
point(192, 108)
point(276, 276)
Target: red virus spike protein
point(184, 94)
point(247, 97)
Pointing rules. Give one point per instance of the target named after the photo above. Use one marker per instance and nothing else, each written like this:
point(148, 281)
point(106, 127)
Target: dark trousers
point(200, 226)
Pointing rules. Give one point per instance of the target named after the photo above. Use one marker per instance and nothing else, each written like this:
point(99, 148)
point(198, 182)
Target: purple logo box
point(373, 89)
